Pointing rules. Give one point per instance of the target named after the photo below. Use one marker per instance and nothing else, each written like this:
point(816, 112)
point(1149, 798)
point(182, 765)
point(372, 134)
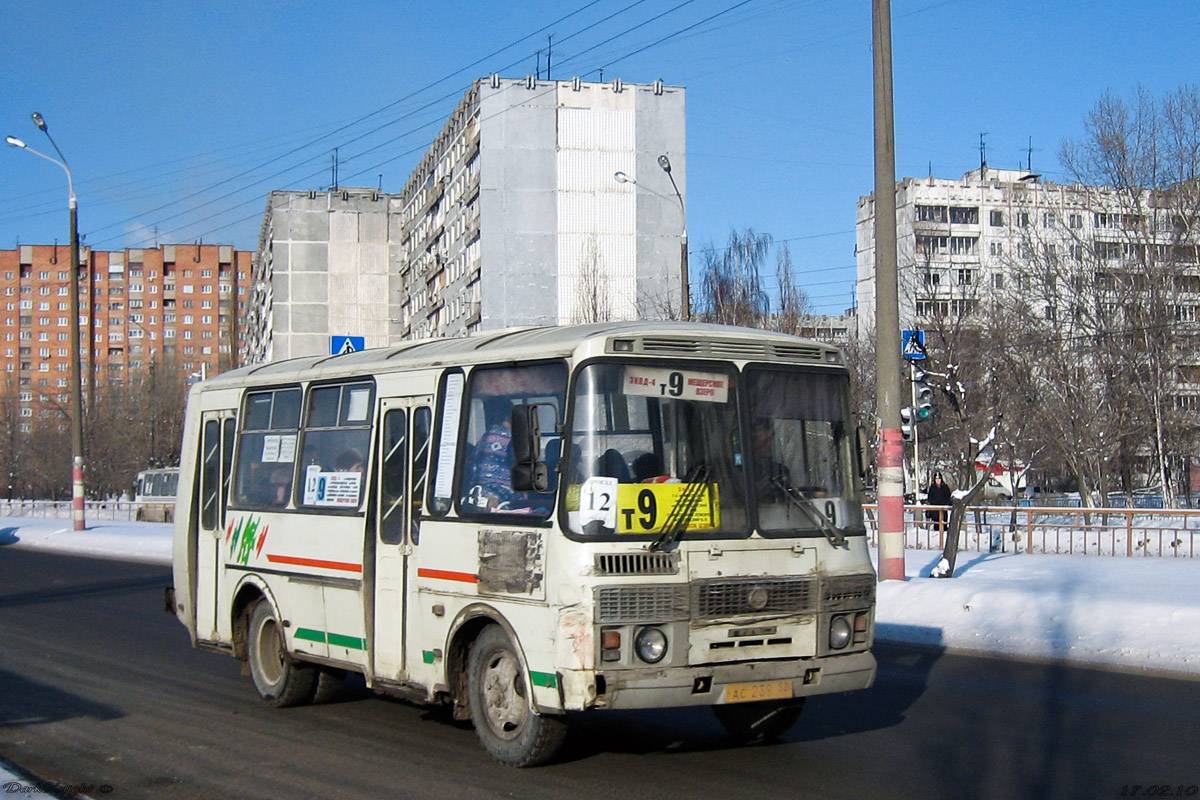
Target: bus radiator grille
point(637, 563)
point(666, 602)
point(844, 592)
point(740, 596)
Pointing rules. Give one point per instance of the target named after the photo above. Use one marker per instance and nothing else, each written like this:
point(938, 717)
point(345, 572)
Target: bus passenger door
point(216, 459)
point(402, 468)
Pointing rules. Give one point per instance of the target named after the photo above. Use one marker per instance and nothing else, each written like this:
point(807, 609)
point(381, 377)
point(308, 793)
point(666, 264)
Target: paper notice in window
point(448, 446)
point(338, 489)
point(287, 449)
point(357, 412)
point(270, 451)
point(598, 502)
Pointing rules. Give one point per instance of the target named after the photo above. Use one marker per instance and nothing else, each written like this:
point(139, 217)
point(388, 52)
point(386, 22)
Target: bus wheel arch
point(245, 597)
point(466, 628)
point(501, 703)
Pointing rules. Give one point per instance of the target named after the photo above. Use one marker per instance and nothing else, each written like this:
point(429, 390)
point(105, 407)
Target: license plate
point(763, 690)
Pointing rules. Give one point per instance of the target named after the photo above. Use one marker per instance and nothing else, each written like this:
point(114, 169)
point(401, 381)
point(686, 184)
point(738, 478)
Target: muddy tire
point(280, 681)
point(499, 698)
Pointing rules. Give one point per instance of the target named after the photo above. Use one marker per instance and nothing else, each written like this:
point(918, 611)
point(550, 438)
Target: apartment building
point(181, 306)
point(1006, 233)
point(515, 216)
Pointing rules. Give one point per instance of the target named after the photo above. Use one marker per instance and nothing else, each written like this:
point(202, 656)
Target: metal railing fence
point(1120, 532)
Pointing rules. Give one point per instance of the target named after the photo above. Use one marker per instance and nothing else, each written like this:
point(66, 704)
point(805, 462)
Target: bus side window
point(210, 481)
point(267, 448)
point(228, 427)
point(422, 432)
point(391, 518)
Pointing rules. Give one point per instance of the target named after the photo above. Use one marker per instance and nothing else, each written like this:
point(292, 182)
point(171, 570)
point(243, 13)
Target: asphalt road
point(99, 688)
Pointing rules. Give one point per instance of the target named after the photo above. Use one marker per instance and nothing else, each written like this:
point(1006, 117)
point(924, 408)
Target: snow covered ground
point(1124, 613)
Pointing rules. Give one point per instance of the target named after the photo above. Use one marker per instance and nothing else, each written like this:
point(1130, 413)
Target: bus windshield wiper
point(805, 503)
point(684, 508)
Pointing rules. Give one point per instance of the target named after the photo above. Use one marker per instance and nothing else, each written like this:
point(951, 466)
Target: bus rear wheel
point(500, 711)
point(279, 680)
point(758, 722)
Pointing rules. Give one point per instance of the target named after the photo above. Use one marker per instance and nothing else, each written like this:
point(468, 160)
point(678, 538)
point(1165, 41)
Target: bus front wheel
point(758, 722)
point(279, 680)
point(499, 697)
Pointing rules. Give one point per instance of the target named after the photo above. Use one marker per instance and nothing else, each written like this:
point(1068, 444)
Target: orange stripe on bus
point(446, 575)
point(314, 562)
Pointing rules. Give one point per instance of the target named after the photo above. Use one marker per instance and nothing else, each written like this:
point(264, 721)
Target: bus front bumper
point(740, 682)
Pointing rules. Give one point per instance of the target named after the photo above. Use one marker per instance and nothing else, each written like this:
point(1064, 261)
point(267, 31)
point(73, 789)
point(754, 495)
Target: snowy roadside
point(1121, 613)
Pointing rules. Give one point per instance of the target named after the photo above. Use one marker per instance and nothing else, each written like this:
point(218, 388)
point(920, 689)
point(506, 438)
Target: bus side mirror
point(528, 473)
point(526, 434)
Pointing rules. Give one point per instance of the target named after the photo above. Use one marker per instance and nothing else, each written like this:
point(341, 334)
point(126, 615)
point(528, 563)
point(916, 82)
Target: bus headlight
point(840, 633)
point(651, 645)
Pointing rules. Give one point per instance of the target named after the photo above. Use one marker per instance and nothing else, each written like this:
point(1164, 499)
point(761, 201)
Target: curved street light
point(77, 496)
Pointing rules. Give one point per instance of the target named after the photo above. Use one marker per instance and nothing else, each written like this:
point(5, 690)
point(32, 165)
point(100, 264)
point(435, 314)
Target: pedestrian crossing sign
point(912, 345)
point(340, 345)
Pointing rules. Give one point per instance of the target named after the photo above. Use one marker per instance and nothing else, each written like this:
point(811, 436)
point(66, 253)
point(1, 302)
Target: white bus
point(154, 492)
point(526, 524)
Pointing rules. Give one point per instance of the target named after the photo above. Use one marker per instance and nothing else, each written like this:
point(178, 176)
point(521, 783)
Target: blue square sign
point(340, 345)
point(912, 345)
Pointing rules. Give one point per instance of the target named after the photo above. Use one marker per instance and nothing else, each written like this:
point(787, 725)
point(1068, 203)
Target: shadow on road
point(28, 702)
point(92, 589)
point(903, 673)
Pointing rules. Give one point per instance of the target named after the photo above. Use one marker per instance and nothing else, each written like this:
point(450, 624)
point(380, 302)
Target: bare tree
point(1140, 162)
point(732, 291)
point(594, 300)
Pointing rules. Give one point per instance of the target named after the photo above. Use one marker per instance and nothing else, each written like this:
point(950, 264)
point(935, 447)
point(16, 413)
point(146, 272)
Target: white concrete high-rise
point(513, 217)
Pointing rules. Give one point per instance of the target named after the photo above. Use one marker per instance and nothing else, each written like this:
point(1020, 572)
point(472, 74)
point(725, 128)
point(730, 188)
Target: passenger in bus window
point(490, 470)
point(281, 483)
point(351, 461)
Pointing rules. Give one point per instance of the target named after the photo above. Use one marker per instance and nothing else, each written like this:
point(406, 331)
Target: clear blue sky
point(178, 117)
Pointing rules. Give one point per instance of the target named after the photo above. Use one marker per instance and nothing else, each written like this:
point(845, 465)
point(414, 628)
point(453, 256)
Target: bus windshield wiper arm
point(805, 503)
point(684, 508)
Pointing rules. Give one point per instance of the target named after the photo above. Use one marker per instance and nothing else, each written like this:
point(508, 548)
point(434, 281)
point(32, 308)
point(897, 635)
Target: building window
point(1022, 219)
point(997, 280)
point(996, 218)
point(931, 213)
point(964, 215)
point(1075, 221)
point(963, 245)
point(996, 248)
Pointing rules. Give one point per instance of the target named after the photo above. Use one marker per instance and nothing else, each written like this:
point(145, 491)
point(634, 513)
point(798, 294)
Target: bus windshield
point(801, 452)
point(653, 447)
point(665, 451)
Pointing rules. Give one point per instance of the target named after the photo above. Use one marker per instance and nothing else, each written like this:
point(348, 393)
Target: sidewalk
point(1130, 614)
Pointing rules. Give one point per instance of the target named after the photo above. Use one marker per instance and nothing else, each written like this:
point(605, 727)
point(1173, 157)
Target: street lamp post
point(77, 504)
point(684, 283)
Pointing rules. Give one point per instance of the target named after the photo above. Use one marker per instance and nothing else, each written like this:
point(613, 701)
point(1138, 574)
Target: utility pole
point(890, 461)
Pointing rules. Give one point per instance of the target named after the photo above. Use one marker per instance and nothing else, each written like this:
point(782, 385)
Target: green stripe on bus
point(543, 679)
point(310, 635)
point(337, 639)
point(352, 642)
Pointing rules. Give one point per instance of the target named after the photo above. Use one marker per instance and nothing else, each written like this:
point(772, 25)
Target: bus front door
point(402, 468)
point(216, 459)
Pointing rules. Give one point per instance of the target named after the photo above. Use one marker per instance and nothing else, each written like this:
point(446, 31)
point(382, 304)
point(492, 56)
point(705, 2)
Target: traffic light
point(922, 395)
point(906, 424)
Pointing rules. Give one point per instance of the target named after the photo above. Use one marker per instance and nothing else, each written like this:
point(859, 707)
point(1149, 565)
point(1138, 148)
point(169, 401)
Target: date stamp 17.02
point(1159, 790)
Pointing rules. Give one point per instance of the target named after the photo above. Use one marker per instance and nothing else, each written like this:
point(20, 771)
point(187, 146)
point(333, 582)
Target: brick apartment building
point(177, 306)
